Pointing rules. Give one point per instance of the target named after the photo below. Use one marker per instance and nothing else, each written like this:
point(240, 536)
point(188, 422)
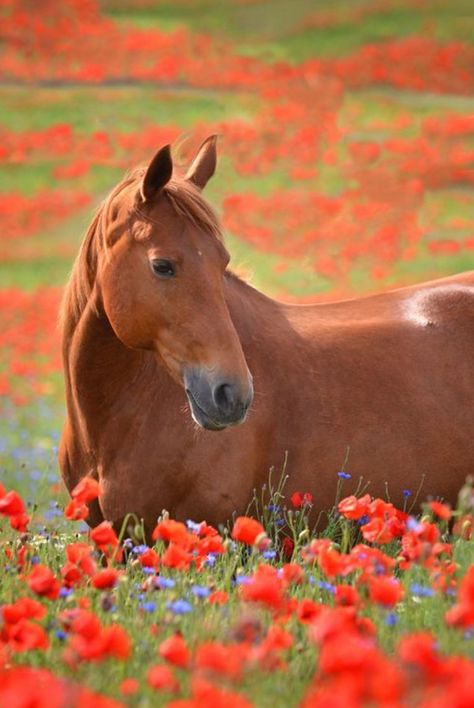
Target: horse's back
point(434, 302)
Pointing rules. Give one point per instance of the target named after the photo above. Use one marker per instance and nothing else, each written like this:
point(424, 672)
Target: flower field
point(346, 142)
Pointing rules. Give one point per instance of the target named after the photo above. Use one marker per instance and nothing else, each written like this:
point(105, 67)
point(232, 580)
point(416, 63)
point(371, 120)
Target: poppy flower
point(301, 500)
point(220, 659)
point(76, 510)
point(104, 536)
point(23, 608)
point(43, 582)
point(265, 588)
point(385, 591)
point(161, 678)
point(25, 635)
point(149, 559)
point(129, 687)
point(86, 490)
point(176, 557)
point(442, 511)
point(171, 531)
point(105, 579)
point(218, 597)
point(247, 530)
point(175, 651)
point(11, 504)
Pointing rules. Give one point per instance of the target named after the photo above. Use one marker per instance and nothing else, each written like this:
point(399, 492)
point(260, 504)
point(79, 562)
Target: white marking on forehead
point(199, 253)
point(418, 307)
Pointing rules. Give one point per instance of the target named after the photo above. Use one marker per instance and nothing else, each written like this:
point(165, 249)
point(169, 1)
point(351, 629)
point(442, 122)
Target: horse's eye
point(163, 269)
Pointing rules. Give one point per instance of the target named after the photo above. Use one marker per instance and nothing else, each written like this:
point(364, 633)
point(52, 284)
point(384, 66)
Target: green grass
point(116, 108)
point(283, 32)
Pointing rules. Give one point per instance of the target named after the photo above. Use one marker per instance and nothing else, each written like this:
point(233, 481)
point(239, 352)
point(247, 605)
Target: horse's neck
point(105, 379)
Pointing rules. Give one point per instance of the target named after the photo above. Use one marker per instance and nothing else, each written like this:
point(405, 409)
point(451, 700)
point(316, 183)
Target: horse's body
point(387, 381)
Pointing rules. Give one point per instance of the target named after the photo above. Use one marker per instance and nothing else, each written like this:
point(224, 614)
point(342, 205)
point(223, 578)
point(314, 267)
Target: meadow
point(346, 141)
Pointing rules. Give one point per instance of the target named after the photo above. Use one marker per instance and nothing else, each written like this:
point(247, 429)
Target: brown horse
point(164, 346)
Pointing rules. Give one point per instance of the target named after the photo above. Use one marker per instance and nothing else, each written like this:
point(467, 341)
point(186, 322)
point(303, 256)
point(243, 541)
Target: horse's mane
point(185, 199)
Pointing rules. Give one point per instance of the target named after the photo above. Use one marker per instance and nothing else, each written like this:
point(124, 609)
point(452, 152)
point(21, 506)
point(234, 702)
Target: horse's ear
point(204, 164)
point(158, 174)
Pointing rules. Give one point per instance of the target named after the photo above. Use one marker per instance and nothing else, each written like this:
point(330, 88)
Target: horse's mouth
point(201, 417)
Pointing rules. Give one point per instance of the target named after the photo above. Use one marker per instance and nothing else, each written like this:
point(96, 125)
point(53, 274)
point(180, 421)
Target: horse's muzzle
point(216, 402)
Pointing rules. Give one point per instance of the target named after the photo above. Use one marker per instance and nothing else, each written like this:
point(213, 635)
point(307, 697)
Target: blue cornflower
point(324, 585)
point(363, 520)
point(406, 493)
point(200, 591)
point(139, 550)
point(413, 524)
point(164, 583)
point(179, 607)
point(148, 606)
point(193, 526)
point(269, 555)
point(148, 571)
point(60, 634)
point(391, 619)
point(344, 475)
point(35, 560)
point(273, 507)
point(65, 592)
point(421, 590)
point(210, 559)
point(242, 580)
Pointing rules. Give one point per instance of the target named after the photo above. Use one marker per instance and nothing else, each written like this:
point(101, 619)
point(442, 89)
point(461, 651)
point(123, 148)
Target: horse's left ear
point(204, 164)
point(158, 174)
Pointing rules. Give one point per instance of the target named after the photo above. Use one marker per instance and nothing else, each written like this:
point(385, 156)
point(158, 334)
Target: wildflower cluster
point(258, 617)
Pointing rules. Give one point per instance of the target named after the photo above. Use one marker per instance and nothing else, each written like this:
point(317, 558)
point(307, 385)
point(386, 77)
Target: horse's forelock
point(186, 201)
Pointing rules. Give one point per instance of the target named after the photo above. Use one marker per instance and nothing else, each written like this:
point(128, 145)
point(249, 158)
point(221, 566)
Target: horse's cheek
point(126, 316)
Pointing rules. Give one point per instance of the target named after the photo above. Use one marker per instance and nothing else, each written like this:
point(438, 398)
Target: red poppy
point(105, 579)
point(129, 687)
point(293, 573)
point(172, 531)
point(24, 608)
point(218, 597)
point(104, 536)
point(442, 511)
point(354, 508)
point(385, 591)
point(86, 490)
point(43, 582)
point(149, 559)
point(247, 530)
point(220, 659)
point(301, 500)
point(76, 510)
point(175, 650)
point(176, 557)
point(11, 504)
point(161, 678)
point(307, 610)
point(264, 587)
point(25, 635)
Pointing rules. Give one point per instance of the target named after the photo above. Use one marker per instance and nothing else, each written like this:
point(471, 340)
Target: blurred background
point(346, 139)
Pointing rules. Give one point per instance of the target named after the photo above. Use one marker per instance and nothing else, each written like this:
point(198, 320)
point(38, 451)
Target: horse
point(185, 385)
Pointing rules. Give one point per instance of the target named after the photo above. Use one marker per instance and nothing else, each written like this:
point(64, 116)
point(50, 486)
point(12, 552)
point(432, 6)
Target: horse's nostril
point(224, 397)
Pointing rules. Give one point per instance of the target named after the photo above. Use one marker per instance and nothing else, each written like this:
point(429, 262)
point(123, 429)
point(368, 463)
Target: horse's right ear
point(158, 174)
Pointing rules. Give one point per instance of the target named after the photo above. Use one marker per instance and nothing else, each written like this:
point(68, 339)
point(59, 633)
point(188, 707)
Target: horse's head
point(162, 284)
